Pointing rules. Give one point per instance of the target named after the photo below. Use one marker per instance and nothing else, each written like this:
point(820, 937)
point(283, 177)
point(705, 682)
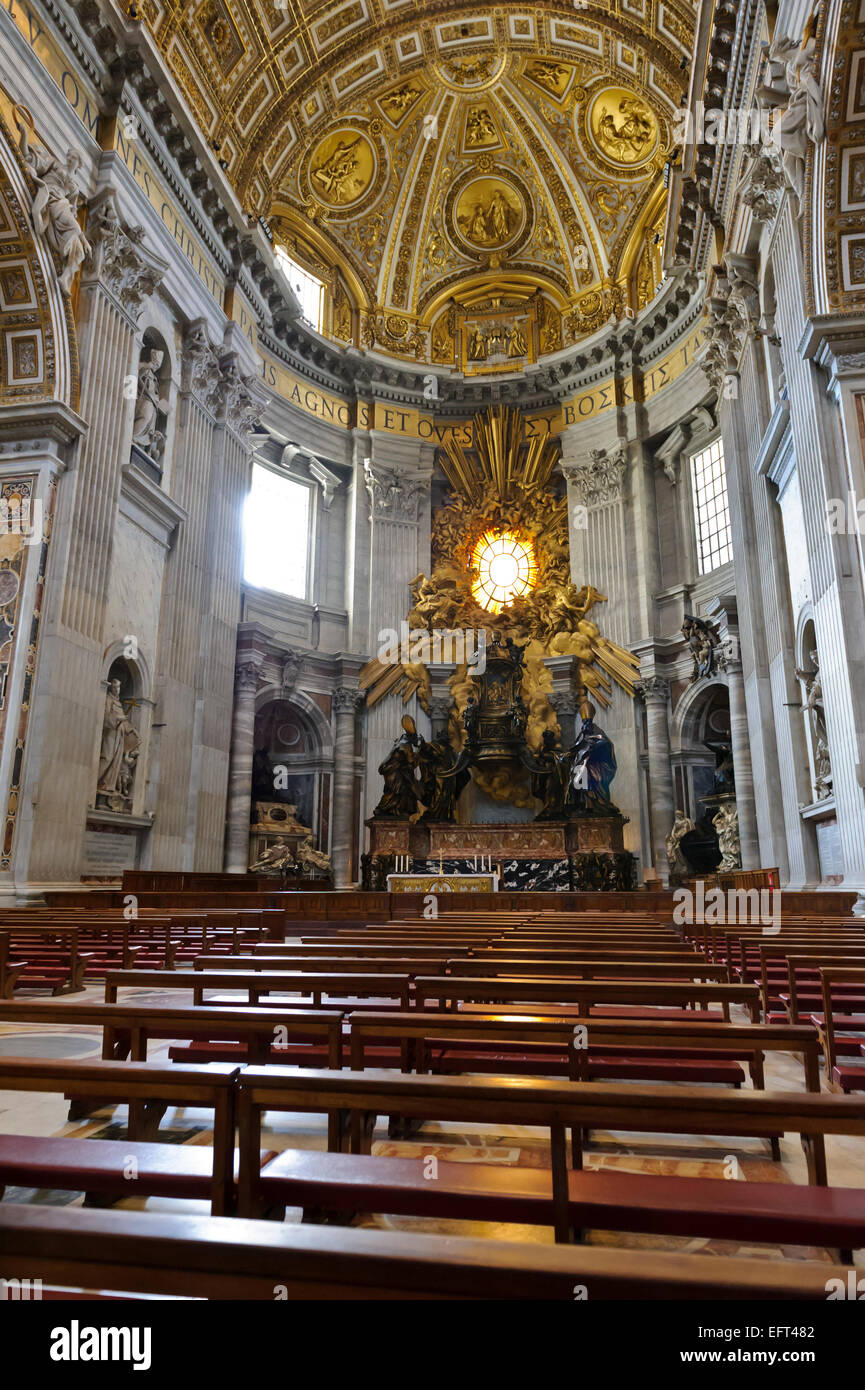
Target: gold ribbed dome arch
point(478, 185)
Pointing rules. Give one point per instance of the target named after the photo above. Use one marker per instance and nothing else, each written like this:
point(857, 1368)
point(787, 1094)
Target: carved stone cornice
point(347, 700)
point(393, 497)
point(654, 689)
point(598, 479)
point(118, 259)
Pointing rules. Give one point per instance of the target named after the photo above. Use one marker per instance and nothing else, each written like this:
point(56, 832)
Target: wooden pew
point(257, 982)
point(553, 1105)
point(98, 1165)
point(127, 1028)
point(48, 963)
point(832, 1021)
point(344, 964)
point(638, 968)
point(418, 1031)
point(586, 994)
point(220, 1258)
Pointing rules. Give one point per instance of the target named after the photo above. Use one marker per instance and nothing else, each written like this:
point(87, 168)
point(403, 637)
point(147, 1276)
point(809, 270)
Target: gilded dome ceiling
point(477, 185)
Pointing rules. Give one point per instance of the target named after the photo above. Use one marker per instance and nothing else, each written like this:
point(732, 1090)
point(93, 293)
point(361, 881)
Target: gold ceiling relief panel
point(396, 104)
point(621, 127)
point(436, 147)
point(344, 169)
point(489, 215)
point(554, 78)
point(481, 130)
point(221, 34)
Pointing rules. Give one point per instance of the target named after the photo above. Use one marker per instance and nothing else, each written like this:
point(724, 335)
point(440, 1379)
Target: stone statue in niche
point(677, 863)
point(149, 405)
point(55, 204)
point(813, 683)
point(118, 754)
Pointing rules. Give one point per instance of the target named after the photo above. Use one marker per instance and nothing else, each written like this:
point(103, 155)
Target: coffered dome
point(476, 186)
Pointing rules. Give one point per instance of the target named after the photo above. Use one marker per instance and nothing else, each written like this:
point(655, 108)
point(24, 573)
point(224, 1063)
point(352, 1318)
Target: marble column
point(740, 738)
point(346, 703)
point(655, 692)
point(246, 682)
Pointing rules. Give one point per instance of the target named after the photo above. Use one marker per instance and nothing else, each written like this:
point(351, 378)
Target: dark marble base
point(596, 872)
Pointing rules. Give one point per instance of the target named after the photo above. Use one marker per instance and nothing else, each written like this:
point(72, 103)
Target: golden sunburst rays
point(617, 662)
point(501, 458)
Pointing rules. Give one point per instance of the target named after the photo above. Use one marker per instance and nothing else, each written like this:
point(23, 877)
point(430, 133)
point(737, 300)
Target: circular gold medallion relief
point(488, 213)
point(342, 167)
point(621, 127)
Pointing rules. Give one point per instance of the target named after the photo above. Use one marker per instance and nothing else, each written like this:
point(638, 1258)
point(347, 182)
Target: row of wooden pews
point(58, 951)
point(500, 1019)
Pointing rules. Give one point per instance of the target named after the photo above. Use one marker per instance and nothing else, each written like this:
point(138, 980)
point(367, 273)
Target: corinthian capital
point(654, 688)
point(239, 399)
point(347, 700)
point(598, 479)
point(393, 496)
point(200, 363)
point(246, 678)
point(118, 259)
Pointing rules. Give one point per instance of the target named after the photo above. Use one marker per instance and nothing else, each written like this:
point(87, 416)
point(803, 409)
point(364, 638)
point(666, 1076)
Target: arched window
point(277, 522)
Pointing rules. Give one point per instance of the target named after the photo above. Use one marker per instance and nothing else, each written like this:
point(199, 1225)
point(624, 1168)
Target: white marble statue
point(726, 822)
point(149, 403)
point(798, 96)
point(678, 864)
point(813, 683)
point(55, 204)
point(118, 754)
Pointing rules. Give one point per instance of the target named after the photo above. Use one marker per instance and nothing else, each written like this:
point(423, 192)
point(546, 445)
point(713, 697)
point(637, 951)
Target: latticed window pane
point(711, 508)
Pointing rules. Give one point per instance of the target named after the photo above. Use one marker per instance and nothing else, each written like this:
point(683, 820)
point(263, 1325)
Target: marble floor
point(697, 1156)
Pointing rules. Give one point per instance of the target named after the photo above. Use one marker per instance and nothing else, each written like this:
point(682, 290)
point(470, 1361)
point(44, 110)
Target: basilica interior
point(432, 665)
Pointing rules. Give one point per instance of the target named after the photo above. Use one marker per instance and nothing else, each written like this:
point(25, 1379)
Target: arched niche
point(700, 729)
point(124, 732)
point(293, 760)
point(813, 717)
